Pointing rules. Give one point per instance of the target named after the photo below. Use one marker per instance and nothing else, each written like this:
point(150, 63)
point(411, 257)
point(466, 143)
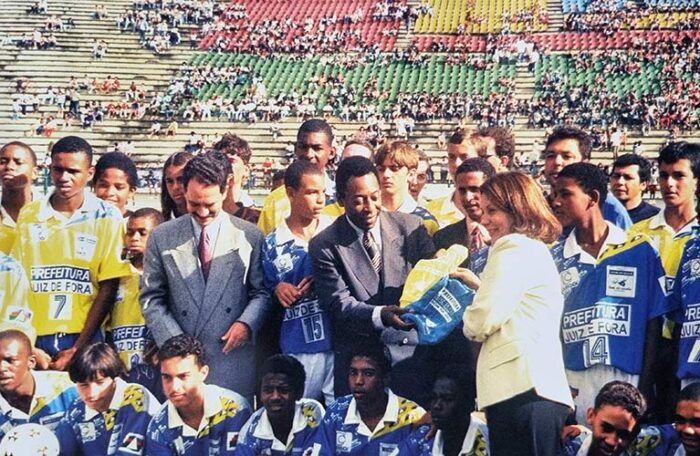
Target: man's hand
point(467, 277)
point(63, 359)
point(305, 286)
point(236, 336)
point(391, 317)
point(43, 360)
point(287, 294)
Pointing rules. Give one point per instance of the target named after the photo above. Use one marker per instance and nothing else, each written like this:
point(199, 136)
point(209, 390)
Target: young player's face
point(365, 380)
point(498, 223)
point(468, 189)
point(203, 201)
point(625, 183)
point(457, 153)
point(17, 168)
point(613, 430)
point(98, 393)
point(309, 199)
point(113, 186)
point(16, 361)
point(570, 203)
point(677, 183)
point(416, 185)
point(183, 380)
point(277, 395)
point(687, 423)
point(363, 201)
point(394, 178)
point(558, 155)
point(137, 231)
point(315, 147)
point(445, 407)
point(173, 184)
point(70, 173)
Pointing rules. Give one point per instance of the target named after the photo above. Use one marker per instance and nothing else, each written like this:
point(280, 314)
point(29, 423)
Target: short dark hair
point(95, 359)
point(167, 204)
point(378, 353)
point(72, 144)
point(19, 336)
point(231, 144)
point(589, 177)
point(634, 159)
point(315, 126)
point(505, 142)
point(119, 161)
point(289, 366)
point(681, 150)
point(622, 394)
point(472, 165)
point(585, 144)
point(463, 376)
point(208, 169)
point(181, 346)
point(297, 170)
point(690, 393)
point(459, 136)
point(22, 145)
point(148, 212)
point(349, 168)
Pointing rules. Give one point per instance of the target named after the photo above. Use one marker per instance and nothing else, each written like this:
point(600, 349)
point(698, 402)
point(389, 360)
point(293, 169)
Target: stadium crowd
point(575, 323)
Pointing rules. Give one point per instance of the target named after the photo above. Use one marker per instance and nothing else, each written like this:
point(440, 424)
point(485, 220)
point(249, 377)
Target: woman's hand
point(467, 277)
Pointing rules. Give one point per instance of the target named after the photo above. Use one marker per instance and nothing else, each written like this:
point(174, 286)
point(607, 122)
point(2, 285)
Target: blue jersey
point(257, 437)
point(120, 430)
point(306, 326)
point(225, 412)
point(686, 294)
point(651, 441)
point(344, 433)
point(608, 302)
point(476, 441)
point(53, 395)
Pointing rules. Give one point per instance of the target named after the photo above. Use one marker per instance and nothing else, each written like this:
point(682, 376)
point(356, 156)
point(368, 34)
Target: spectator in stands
point(597, 252)
point(628, 182)
point(18, 169)
point(397, 163)
point(91, 243)
point(172, 192)
point(567, 145)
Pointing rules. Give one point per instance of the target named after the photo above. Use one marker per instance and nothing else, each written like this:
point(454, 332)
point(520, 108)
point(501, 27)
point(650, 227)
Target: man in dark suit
point(360, 266)
point(203, 276)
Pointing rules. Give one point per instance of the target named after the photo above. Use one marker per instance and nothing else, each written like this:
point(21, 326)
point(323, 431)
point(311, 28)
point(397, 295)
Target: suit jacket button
point(184, 313)
point(228, 310)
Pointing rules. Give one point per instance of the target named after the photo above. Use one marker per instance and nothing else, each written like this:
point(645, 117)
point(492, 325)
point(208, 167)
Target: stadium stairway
point(556, 17)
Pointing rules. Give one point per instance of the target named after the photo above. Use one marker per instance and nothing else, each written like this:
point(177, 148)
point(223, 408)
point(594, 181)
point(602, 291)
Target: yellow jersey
point(14, 296)
point(127, 325)
point(444, 210)
point(8, 231)
point(66, 258)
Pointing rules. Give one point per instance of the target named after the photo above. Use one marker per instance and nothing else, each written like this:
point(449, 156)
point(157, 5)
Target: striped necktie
point(373, 251)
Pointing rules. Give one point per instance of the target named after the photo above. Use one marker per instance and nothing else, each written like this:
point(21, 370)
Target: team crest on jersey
point(570, 278)
point(132, 443)
point(621, 281)
point(694, 266)
point(17, 314)
point(88, 433)
point(387, 449)
point(38, 231)
point(231, 440)
point(343, 441)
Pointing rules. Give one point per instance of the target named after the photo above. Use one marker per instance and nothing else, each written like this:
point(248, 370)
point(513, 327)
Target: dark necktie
point(204, 250)
point(373, 251)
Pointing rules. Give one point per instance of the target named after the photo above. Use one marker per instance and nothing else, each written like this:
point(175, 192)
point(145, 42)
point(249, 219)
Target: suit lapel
point(354, 255)
point(392, 257)
point(187, 261)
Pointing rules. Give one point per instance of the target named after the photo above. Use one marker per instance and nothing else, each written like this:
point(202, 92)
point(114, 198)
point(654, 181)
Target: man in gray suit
point(360, 265)
point(203, 276)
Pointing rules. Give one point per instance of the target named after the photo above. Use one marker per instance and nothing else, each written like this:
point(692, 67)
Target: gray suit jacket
point(175, 299)
point(349, 287)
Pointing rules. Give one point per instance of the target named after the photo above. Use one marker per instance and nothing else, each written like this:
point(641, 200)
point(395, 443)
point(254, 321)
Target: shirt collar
point(409, 205)
point(212, 406)
point(285, 235)
point(391, 415)
point(264, 429)
point(469, 437)
point(42, 388)
point(616, 236)
point(114, 404)
point(375, 230)
point(659, 221)
point(212, 228)
point(90, 204)
point(5, 218)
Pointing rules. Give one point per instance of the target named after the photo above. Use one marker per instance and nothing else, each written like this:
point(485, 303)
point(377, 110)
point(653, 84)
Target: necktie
point(204, 250)
point(373, 251)
point(476, 240)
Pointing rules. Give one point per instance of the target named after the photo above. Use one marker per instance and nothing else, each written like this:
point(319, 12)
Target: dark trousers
point(526, 425)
